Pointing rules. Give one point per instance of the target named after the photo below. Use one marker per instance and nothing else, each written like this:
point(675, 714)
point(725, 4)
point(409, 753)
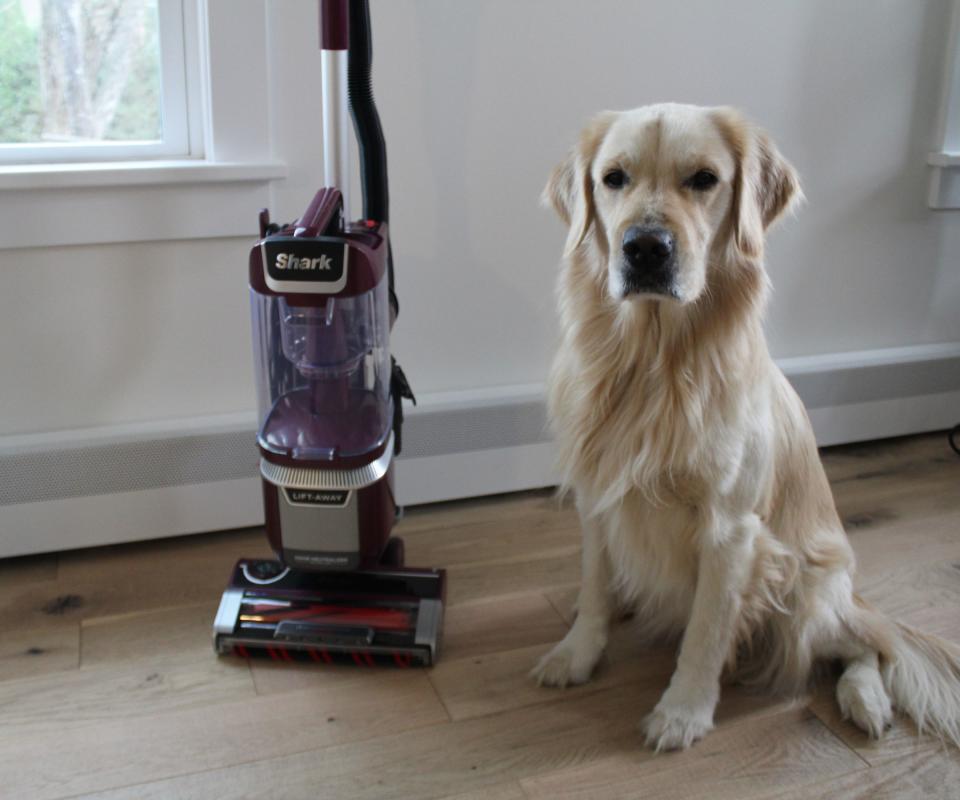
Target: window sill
point(944, 180)
point(135, 173)
point(108, 203)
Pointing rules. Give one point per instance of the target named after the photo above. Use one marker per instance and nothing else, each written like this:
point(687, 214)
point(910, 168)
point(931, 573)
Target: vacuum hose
point(366, 120)
point(373, 173)
point(366, 124)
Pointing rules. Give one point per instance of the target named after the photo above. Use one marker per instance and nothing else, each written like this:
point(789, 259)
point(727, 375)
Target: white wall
point(478, 101)
point(107, 334)
point(147, 342)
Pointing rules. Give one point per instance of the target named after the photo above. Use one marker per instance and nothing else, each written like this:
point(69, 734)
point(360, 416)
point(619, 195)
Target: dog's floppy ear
point(765, 185)
point(570, 188)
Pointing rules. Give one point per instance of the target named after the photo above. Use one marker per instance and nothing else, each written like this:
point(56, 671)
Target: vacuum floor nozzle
point(388, 615)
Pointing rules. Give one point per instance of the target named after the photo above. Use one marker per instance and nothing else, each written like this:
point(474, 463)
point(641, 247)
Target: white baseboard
point(72, 522)
point(881, 419)
point(474, 474)
point(74, 489)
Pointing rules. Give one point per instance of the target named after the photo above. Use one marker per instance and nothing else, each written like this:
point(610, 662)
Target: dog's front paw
point(568, 663)
point(675, 728)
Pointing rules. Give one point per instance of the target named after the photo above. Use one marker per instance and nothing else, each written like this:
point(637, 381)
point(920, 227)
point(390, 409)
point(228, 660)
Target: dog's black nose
point(647, 248)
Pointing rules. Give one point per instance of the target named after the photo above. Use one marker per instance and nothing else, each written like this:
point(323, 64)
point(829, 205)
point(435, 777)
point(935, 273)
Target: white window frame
point(945, 178)
point(179, 70)
point(214, 191)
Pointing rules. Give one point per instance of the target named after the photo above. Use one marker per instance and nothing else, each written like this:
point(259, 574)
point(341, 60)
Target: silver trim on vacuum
point(328, 479)
point(227, 613)
point(429, 622)
point(336, 112)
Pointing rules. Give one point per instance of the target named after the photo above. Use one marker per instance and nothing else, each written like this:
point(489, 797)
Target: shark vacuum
point(329, 397)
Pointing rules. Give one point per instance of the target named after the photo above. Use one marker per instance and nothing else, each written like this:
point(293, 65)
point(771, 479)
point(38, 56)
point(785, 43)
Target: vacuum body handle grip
point(334, 24)
point(322, 215)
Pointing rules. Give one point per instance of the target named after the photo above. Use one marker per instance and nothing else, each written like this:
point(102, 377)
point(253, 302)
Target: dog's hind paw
point(674, 728)
point(864, 701)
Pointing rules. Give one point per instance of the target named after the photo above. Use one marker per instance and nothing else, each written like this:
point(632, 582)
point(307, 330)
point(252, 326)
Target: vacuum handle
point(321, 214)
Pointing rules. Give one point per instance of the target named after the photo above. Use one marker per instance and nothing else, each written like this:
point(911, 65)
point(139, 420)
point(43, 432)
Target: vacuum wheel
point(264, 572)
point(393, 553)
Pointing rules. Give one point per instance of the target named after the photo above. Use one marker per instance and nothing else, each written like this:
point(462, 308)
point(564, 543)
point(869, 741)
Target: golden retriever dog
point(703, 501)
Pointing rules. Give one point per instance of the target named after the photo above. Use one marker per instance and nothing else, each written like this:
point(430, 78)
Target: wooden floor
point(109, 687)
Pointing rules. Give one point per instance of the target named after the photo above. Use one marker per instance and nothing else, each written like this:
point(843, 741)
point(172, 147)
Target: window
point(209, 164)
point(945, 178)
point(93, 80)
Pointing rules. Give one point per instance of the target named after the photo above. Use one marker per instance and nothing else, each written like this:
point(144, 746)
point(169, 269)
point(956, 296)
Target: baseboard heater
point(134, 482)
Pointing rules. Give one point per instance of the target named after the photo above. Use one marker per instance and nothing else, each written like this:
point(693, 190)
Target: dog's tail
point(923, 680)
point(920, 672)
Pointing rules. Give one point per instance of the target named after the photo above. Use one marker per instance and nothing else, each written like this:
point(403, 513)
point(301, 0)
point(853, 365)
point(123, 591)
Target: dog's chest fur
point(653, 555)
point(676, 435)
point(651, 432)
point(652, 473)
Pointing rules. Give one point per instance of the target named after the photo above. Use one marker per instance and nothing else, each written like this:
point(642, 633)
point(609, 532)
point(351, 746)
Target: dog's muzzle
point(649, 260)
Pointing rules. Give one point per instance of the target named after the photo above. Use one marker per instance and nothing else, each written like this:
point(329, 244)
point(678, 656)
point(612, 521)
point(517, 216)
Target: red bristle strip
point(356, 659)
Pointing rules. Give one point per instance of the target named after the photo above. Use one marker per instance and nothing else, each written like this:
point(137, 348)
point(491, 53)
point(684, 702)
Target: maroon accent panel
point(334, 24)
point(271, 514)
point(344, 462)
point(377, 512)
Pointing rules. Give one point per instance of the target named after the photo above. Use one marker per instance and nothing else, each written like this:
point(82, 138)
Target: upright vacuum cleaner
point(329, 396)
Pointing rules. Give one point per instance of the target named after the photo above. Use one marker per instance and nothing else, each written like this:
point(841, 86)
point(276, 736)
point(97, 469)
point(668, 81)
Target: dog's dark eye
point(702, 180)
point(615, 179)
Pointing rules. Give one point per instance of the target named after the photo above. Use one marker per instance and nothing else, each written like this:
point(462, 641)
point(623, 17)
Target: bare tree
point(87, 48)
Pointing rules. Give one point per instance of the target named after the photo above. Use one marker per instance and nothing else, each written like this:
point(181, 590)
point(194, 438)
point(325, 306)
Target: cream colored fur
point(694, 467)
